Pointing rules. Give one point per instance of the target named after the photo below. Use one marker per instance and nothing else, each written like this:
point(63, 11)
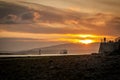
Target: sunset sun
point(87, 41)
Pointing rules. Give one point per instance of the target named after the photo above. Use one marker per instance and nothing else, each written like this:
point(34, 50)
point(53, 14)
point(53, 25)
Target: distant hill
point(70, 47)
point(6, 53)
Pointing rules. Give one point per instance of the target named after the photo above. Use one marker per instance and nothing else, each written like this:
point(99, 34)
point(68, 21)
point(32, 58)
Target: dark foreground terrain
point(61, 68)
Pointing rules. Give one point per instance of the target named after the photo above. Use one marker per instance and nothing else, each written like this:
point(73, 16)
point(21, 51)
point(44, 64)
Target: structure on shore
point(63, 51)
point(108, 47)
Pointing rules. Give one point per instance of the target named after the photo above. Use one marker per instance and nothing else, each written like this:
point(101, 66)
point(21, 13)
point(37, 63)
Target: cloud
point(11, 8)
point(36, 16)
point(10, 19)
point(18, 39)
point(50, 20)
point(113, 3)
point(26, 14)
point(34, 28)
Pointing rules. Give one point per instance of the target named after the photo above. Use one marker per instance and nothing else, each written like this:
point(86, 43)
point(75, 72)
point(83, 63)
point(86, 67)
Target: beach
point(69, 67)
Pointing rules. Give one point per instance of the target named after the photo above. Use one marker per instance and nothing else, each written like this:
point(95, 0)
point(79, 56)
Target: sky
point(27, 24)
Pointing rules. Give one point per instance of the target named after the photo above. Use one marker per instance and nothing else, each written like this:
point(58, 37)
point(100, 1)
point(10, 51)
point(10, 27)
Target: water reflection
point(38, 55)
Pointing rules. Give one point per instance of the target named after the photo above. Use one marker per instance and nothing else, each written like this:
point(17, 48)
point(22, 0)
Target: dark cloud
point(7, 8)
point(44, 13)
point(10, 13)
point(27, 16)
point(10, 19)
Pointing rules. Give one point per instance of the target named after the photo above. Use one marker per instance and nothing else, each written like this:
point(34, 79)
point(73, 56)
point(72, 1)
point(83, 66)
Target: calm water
point(38, 55)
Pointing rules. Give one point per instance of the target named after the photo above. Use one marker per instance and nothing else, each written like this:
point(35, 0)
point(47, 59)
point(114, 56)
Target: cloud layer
point(44, 19)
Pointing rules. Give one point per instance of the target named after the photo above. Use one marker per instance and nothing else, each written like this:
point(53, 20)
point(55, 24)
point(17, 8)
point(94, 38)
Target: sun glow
point(86, 41)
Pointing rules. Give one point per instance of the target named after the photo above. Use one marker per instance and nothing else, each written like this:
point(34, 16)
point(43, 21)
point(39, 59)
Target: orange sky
point(75, 21)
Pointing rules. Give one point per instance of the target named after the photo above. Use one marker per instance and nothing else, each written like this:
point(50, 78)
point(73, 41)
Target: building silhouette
point(108, 47)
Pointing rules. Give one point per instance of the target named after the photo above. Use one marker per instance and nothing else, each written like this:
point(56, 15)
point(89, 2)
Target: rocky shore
point(84, 67)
